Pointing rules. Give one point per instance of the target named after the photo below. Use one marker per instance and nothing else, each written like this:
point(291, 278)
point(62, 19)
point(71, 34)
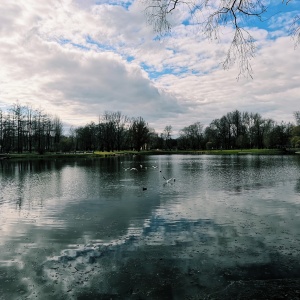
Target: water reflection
point(297, 187)
point(88, 230)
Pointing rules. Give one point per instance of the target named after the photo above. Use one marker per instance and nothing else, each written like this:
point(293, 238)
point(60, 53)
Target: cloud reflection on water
point(87, 228)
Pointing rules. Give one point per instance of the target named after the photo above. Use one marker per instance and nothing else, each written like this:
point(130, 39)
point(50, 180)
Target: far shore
point(103, 154)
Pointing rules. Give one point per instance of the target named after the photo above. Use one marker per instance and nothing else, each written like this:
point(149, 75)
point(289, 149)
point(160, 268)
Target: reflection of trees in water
point(23, 168)
point(152, 254)
point(297, 186)
point(26, 180)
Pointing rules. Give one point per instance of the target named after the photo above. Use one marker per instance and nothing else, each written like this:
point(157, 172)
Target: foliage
point(191, 137)
point(247, 130)
point(139, 133)
point(23, 129)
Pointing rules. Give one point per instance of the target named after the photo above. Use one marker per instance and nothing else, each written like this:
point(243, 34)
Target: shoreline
point(100, 154)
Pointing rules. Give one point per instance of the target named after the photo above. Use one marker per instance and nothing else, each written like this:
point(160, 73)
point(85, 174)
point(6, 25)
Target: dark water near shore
point(90, 229)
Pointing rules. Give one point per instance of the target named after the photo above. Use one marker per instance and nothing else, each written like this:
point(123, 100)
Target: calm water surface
point(90, 229)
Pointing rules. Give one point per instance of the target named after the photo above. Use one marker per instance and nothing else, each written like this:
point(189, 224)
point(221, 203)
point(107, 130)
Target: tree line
point(24, 129)
point(250, 130)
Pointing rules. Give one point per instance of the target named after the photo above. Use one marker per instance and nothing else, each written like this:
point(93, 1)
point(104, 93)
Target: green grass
point(247, 151)
point(211, 152)
point(49, 155)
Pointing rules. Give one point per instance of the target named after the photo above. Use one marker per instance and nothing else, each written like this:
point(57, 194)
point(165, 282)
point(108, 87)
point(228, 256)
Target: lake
point(94, 229)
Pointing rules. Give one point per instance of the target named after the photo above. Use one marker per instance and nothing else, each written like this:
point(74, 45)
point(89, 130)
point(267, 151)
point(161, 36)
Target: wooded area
point(23, 129)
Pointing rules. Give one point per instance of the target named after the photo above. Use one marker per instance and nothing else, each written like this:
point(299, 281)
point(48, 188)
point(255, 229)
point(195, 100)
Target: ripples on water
point(91, 229)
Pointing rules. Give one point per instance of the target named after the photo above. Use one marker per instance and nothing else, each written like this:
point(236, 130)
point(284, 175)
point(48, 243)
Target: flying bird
point(170, 180)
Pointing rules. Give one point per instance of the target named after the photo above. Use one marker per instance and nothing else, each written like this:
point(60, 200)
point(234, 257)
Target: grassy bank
point(100, 154)
point(32, 156)
point(210, 152)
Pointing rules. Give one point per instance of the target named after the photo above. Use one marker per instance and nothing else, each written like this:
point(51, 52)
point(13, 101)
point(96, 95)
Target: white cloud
point(274, 91)
point(78, 59)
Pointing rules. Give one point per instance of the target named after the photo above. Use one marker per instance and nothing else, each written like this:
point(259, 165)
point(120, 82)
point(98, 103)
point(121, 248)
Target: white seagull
point(170, 180)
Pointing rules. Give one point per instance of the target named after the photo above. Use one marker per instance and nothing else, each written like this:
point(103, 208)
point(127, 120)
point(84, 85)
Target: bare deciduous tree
point(139, 133)
point(168, 136)
point(295, 30)
point(216, 14)
point(297, 117)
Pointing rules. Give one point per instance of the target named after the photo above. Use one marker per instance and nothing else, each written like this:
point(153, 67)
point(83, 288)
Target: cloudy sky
point(79, 58)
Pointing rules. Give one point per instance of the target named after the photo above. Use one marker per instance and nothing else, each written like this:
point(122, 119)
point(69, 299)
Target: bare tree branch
point(174, 5)
point(295, 30)
point(241, 51)
point(233, 13)
point(242, 48)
